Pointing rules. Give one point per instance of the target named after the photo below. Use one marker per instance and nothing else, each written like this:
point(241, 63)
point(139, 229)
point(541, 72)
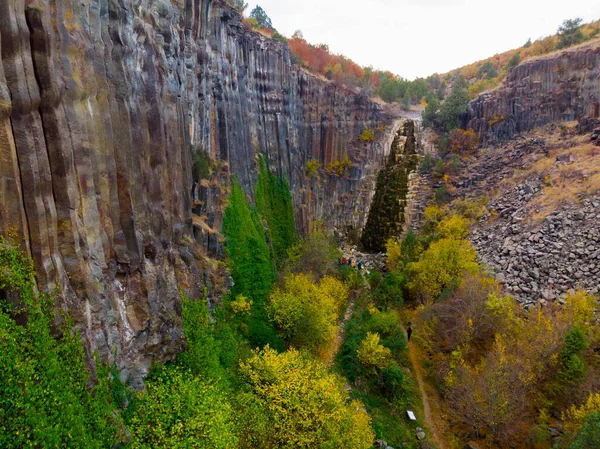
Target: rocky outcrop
point(103, 108)
point(562, 86)
point(541, 263)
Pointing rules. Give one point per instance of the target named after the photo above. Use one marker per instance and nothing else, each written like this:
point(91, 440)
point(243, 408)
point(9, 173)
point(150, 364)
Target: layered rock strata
point(563, 86)
point(104, 106)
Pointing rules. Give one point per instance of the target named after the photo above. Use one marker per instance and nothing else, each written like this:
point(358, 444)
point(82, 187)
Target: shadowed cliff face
point(101, 104)
point(560, 87)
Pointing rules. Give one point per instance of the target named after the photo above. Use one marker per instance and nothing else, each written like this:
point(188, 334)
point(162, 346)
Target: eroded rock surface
point(103, 105)
point(562, 86)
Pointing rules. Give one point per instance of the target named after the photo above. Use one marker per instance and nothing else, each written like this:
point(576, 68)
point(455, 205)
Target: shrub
point(372, 354)
point(181, 410)
point(384, 323)
point(312, 168)
point(368, 135)
point(392, 382)
point(427, 164)
point(339, 167)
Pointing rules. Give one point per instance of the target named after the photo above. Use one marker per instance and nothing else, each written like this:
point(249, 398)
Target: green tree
point(514, 61)
point(569, 33)
point(250, 263)
point(589, 435)
point(430, 114)
point(528, 43)
point(406, 100)
point(45, 394)
point(262, 19)
point(454, 110)
point(274, 204)
point(487, 70)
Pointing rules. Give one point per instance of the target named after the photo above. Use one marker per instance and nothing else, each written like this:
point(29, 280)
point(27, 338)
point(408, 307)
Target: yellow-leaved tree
point(373, 354)
point(304, 405)
point(444, 260)
point(306, 312)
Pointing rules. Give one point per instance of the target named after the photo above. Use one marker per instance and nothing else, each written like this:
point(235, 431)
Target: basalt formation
point(105, 106)
point(562, 86)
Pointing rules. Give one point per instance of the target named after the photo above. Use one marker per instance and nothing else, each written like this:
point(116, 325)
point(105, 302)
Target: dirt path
point(430, 422)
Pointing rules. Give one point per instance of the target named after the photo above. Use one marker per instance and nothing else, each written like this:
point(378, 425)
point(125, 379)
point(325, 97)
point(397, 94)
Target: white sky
point(420, 37)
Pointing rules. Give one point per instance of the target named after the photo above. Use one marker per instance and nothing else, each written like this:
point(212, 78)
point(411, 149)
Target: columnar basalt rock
point(562, 86)
point(102, 107)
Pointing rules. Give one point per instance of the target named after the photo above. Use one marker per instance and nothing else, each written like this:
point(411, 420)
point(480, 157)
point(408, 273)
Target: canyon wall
point(105, 106)
point(562, 86)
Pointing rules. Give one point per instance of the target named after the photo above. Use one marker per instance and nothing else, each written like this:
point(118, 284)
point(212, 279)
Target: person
point(409, 331)
point(359, 266)
point(353, 264)
point(343, 261)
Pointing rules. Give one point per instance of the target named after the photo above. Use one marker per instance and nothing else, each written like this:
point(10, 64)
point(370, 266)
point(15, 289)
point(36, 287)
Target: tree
point(373, 354)
point(513, 61)
point(445, 260)
point(454, 110)
point(430, 114)
point(528, 43)
point(262, 19)
point(305, 406)
point(298, 35)
point(463, 142)
point(306, 313)
point(406, 100)
point(181, 410)
point(589, 435)
point(487, 70)
point(251, 266)
point(274, 204)
point(569, 33)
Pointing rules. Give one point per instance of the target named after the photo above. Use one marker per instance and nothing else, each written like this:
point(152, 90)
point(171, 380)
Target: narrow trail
point(432, 424)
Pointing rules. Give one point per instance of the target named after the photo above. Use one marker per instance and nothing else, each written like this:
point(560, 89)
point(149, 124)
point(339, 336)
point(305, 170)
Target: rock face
point(103, 107)
point(563, 86)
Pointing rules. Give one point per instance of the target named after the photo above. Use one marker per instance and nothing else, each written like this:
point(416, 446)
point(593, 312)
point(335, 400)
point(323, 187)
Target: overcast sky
point(419, 37)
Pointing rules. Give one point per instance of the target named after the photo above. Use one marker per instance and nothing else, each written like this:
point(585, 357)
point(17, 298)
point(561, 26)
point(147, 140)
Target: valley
point(215, 236)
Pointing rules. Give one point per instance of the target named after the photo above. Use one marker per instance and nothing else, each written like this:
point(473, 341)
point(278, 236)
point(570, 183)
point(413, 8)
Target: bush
point(368, 135)
point(181, 410)
point(372, 354)
point(312, 168)
point(427, 164)
point(389, 290)
point(384, 323)
point(392, 382)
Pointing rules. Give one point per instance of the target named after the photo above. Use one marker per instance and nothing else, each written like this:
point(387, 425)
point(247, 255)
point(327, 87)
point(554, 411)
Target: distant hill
point(487, 73)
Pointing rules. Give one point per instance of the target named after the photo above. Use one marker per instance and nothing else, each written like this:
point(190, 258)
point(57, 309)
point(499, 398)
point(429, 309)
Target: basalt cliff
point(104, 107)
point(562, 86)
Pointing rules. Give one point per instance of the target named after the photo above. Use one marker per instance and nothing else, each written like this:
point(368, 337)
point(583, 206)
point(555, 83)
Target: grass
point(563, 182)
